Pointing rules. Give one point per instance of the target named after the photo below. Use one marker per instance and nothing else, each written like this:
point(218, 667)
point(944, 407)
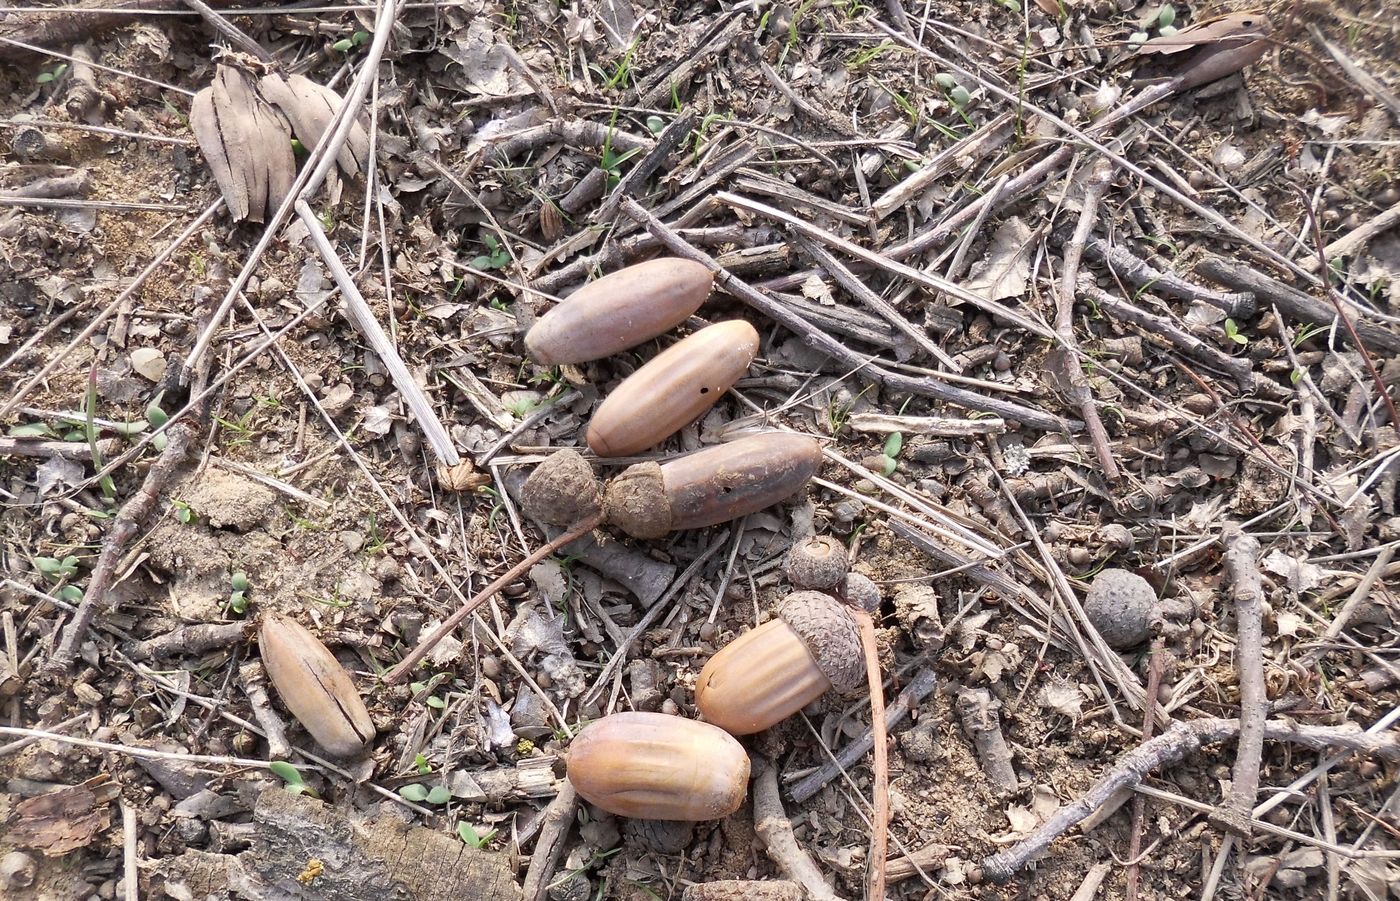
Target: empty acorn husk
point(314, 687)
point(620, 310)
point(673, 389)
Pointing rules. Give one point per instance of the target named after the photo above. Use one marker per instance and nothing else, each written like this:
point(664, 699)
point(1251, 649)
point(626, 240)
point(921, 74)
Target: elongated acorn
point(673, 389)
point(659, 767)
point(620, 310)
point(710, 486)
point(769, 673)
point(314, 687)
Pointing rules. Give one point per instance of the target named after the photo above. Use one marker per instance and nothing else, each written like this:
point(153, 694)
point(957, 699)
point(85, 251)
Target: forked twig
point(407, 665)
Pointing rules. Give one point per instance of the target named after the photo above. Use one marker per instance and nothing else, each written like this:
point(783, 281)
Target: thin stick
point(1353, 603)
point(130, 876)
point(1174, 744)
point(407, 665)
point(128, 521)
point(363, 317)
point(880, 783)
point(1149, 723)
point(913, 694)
point(1242, 569)
point(549, 845)
point(775, 831)
point(1100, 176)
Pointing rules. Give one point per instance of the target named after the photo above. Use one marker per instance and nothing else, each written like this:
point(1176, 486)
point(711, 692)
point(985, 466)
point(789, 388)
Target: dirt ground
point(995, 440)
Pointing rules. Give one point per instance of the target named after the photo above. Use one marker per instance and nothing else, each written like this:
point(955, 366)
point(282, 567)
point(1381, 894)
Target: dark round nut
point(1120, 606)
point(562, 490)
point(818, 563)
point(860, 593)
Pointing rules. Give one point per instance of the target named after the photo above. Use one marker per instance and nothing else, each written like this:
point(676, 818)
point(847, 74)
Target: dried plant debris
point(246, 142)
point(310, 108)
point(244, 123)
point(1206, 51)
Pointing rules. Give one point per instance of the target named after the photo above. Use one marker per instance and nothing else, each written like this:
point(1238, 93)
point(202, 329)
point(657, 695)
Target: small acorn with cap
point(771, 672)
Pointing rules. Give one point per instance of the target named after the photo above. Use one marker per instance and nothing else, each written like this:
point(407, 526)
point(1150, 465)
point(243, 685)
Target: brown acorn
point(314, 687)
point(769, 673)
point(711, 486)
point(659, 767)
point(673, 389)
point(620, 310)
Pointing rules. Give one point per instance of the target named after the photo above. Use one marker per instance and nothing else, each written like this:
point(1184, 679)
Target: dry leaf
point(246, 142)
point(1209, 50)
point(310, 109)
point(1007, 268)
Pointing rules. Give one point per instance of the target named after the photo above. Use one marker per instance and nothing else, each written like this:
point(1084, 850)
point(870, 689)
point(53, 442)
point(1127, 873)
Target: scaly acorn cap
point(636, 501)
point(831, 636)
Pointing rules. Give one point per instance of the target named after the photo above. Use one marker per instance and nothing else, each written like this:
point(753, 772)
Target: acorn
point(314, 687)
point(675, 388)
point(659, 767)
point(818, 563)
point(620, 310)
point(771, 672)
point(710, 486)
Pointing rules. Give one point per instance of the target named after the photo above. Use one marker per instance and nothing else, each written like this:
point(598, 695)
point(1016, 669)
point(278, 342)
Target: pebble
point(353, 541)
point(148, 363)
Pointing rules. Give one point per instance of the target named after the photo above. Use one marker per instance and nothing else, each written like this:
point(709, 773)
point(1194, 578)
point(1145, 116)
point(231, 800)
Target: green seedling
point(56, 570)
point(157, 417)
point(893, 445)
point(421, 764)
point(238, 598)
point(1232, 331)
point(496, 257)
point(292, 777)
point(345, 45)
point(51, 75)
point(183, 511)
point(468, 834)
point(33, 430)
point(420, 793)
point(656, 125)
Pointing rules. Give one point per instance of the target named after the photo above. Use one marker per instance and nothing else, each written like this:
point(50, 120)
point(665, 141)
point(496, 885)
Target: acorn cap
point(819, 562)
point(859, 592)
point(831, 637)
point(636, 501)
point(562, 490)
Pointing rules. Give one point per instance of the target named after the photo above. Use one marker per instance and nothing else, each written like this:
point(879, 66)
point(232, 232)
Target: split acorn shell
point(769, 673)
point(314, 687)
point(675, 388)
point(659, 767)
point(711, 486)
point(620, 310)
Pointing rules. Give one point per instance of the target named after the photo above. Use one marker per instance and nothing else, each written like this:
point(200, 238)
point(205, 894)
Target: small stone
point(353, 541)
point(17, 871)
point(149, 363)
point(1120, 606)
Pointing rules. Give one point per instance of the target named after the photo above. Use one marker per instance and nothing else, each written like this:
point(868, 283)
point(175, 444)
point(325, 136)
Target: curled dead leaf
point(1207, 51)
point(310, 108)
point(246, 143)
